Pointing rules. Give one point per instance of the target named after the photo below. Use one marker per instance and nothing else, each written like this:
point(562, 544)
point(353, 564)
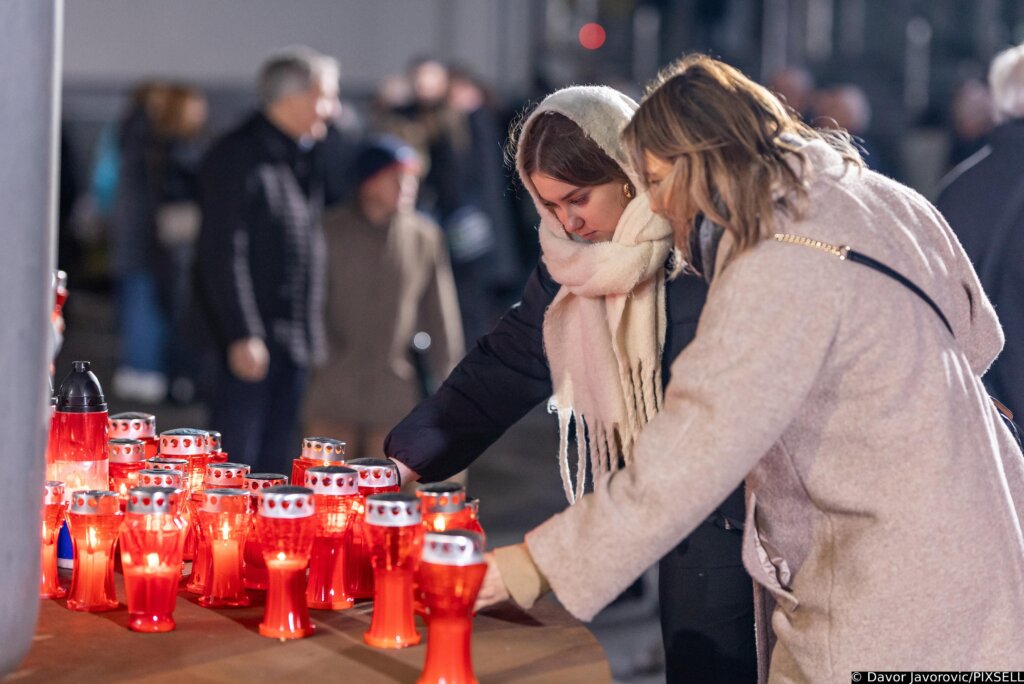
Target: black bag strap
point(846, 253)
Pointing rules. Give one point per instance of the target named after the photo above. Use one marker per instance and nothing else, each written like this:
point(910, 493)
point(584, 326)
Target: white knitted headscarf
point(605, 329)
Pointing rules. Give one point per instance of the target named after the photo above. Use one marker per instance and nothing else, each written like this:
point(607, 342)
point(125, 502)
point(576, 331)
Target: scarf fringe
point(601, 444)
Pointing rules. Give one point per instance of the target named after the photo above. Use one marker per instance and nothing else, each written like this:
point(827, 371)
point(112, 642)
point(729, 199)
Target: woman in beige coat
point(885, 495)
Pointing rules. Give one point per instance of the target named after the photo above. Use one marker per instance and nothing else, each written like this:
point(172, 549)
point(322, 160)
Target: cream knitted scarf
point(605, 329)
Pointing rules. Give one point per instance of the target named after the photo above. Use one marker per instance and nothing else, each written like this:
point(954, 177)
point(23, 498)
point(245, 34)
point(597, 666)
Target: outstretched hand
point(493, 590)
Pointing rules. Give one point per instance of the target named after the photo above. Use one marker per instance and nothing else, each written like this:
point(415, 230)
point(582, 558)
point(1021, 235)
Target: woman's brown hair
point(555, 146)
point(728, 140)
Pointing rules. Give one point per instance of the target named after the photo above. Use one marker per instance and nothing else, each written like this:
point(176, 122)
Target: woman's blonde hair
point(728, 140)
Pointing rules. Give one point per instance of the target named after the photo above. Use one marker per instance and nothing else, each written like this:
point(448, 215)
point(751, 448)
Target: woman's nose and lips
point(588, 212)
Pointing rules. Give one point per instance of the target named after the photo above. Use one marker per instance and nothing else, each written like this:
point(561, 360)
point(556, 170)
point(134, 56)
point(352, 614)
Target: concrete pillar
point(30, 48)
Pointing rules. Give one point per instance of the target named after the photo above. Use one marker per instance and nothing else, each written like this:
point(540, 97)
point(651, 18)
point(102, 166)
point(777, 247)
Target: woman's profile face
point(589, 212)
point(658, 191)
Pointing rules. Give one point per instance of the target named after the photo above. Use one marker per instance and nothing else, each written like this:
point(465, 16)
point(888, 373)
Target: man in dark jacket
point(983, 200)
point(261, 257)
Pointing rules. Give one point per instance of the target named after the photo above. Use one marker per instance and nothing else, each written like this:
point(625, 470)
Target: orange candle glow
point(93, 521)
point(54, 507)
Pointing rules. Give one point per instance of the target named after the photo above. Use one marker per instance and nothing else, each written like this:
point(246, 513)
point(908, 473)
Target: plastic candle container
point(224, 518)
point(317, 451)
point(395, 532)
point(450, 574)
point(93, 519)
point(215, 454)
point(54, 507)
point(335, 495)
point(473, 506)
point(444, 506)
point(193, 446)
point(152, 541)
point(127, 458)
point(255, 569)
point(218, 476)
point(376, 476)
point(80, 458)
point(134, 425)
point(286, 524)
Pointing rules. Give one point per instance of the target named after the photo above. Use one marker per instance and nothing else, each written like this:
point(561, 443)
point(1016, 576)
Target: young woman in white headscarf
point(600, 322)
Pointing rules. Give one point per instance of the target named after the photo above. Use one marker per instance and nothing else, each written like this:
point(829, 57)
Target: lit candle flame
point(152, 560)
point(281, 555)
point(440, 523)
point(225, 531)
point(92, 541)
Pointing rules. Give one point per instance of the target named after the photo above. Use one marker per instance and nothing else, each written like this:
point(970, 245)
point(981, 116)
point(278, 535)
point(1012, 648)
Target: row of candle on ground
point(445, 568)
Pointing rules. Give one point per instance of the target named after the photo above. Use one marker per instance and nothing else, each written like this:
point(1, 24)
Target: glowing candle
point(224, 518)
point(444, 506)
point(335, 493)
point(395, 532)
point(152, 541)
point(450, 574)
point(254, 567)
point(317, 451)
point(140, 426)
point(286, 524)
point(54, 507)
point(376, 476)
point(93, 519)
point(218, 476)
point(127, 458)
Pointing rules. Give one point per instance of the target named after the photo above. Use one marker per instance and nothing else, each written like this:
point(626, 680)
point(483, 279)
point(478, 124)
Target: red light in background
point(592, 36)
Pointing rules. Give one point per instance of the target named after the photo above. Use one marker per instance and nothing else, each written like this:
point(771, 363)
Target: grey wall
point(221, 42)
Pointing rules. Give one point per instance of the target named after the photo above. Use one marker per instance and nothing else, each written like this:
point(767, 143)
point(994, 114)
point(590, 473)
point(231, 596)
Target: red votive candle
point(473, 506)
point(218, 476)
point(335, 494)
point(127, 458)
point(152, 541)
point(376, 476)
point(255, 569)
point(133, 425)
point(450, 574)
point(189, 444)
point(444, 506)
point(54, 507)
point(395, 532)
point(286, 524)
point(317, 451)
point(215, 454)
point(93, 521)
point(224, 518)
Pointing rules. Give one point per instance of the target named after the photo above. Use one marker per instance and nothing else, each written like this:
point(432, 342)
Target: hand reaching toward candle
point(493, 589)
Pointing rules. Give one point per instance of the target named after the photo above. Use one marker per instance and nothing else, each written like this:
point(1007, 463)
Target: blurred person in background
point(983, 200)
point(156, 220)
point(484, 183)
point(795, 85)
point(846, 107)
point(261, 264)
point(444, 137)
point(972, 119)
point(602, 318)
point(390, 291)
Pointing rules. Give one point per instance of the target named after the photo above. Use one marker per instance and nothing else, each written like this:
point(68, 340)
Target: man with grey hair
point(983, 200)
point(260, 261)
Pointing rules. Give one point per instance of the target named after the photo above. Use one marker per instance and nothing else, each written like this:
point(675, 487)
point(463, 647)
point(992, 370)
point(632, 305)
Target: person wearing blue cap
point(390, 290)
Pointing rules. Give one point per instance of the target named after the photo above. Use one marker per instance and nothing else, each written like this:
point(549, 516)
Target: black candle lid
point(80, 392)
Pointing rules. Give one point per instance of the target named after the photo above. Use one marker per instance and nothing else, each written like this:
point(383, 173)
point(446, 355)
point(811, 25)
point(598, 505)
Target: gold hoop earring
point(627, 190)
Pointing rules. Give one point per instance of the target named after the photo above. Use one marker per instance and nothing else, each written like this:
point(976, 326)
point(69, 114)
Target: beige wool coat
point(385, 284)
point(884, 496)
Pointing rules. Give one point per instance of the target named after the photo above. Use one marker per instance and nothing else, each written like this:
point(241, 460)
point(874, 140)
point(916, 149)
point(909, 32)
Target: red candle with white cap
point(286, 524)
point(335, 493)
point(93, 520)
point(376, 476)
point(255, 573)
point(152, 542)
point(54, 507)
point(394, 528)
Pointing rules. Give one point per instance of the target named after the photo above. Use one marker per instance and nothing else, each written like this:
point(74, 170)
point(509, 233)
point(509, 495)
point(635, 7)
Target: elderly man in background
point(261, 257)
point(983, 200)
